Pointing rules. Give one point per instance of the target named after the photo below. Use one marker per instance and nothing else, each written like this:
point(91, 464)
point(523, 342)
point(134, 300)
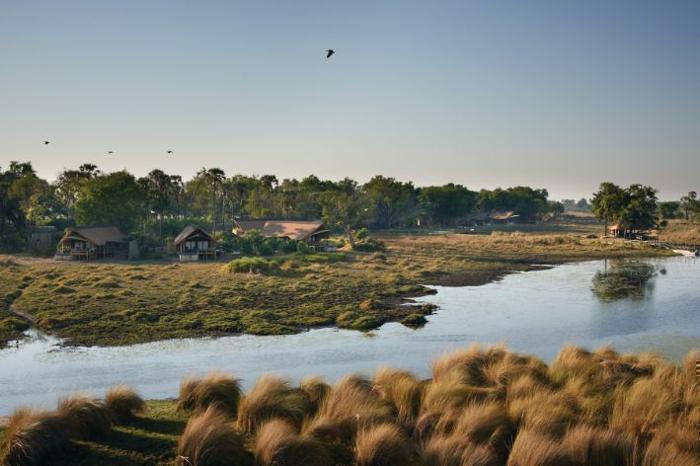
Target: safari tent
point(194, 243)
point(95, 242)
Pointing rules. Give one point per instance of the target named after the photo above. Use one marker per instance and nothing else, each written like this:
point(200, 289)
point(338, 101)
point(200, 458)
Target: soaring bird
point(47, 142)
point(110, 152)
point(170, 152)
point(329, 52)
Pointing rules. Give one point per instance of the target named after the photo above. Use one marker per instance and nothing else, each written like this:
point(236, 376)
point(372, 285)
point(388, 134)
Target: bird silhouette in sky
point(47, 142)
point(110, 152)
point(329, 52)
point(170, 152)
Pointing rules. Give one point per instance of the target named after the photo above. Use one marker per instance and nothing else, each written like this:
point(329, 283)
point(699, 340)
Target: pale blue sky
point(556, 94)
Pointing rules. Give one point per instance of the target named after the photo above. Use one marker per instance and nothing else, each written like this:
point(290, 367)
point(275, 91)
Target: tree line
point(160, 203)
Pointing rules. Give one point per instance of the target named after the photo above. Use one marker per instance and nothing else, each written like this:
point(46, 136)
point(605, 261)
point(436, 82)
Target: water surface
point(532, 312)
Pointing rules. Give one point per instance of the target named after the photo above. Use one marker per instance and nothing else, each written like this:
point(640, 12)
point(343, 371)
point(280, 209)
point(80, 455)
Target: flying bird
point(47, 142)
point(110, 152)
point(170, 152)
point(329, 52)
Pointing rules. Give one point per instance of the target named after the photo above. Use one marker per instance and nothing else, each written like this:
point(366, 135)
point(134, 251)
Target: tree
point(639, 208)
point(160, 190)
point(393, 202)
point(689, 204)
point(607, 203)
point(208, 185)
point(669, 209)
point(112, 199)
point(445, 204)
point(345, 211)
point(528, 203)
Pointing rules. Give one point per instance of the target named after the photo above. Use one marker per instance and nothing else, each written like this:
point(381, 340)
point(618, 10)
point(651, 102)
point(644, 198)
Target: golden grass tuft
point(350, 405)
point(534, 449)
point(215, 388)
point(124, 403)
point(403, 390)
point(32, 437)
point(382, 445)
point(590, 446)
point(316, 391)
point(271, 398)
point(85, 417)
point(209, 440)
point(278, 443)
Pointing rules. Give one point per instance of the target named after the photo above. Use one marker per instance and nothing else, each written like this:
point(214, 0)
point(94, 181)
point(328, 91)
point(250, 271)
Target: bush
point(414, 320)
point(216, 389)
point(362, 234)
point(208, 440)
point(369, 245)
point(252, 265)
point(124, 403)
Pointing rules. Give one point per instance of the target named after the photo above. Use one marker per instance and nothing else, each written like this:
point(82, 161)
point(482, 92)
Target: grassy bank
point(681, 232)
point(482, 406)
point(123, 303)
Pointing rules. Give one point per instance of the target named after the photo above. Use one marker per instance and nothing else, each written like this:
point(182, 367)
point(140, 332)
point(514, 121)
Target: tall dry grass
point(278, 443)
point(272, 398)
point(215, 389)
point(32, 437)
point(85, 417)
point(124, 403)
point(483, 406)
point(210, 440)
point(382, 445)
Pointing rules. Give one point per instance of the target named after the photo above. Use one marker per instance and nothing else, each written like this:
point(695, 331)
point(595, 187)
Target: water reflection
point(625, 279)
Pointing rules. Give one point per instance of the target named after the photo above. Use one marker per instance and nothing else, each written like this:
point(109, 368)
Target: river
point(651, 305)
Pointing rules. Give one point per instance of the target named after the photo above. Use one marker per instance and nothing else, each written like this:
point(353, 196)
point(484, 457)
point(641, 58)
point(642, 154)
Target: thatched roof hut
point(92, 242)
point(298, 230)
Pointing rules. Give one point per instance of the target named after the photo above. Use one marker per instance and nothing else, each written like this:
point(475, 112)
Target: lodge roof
point(292, 229)
point(98, 236)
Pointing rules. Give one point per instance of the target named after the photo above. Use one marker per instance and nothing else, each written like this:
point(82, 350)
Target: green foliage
point(113, 199)
point(362, 234)
point(252, 265)
point(528, 203)
point(444, 205)
point(369, 245)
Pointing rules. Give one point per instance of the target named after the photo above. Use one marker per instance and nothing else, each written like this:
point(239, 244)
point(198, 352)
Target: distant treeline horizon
point(87, 195)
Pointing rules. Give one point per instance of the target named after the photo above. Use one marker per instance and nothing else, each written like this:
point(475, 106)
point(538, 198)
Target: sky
point(557, 94)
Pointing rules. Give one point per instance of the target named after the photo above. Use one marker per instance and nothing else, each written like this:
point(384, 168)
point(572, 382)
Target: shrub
point(278, 443)
point(414, 320)
point(124, 403)
point(382, 445)
point(85, 417)
point(369, 245)
point(252, 265)
point(216, 389)
point(272, 397)
point(31, 437)
point(209, 441)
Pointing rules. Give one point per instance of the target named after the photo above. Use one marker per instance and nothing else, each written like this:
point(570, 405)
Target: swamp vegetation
point(124, 302)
